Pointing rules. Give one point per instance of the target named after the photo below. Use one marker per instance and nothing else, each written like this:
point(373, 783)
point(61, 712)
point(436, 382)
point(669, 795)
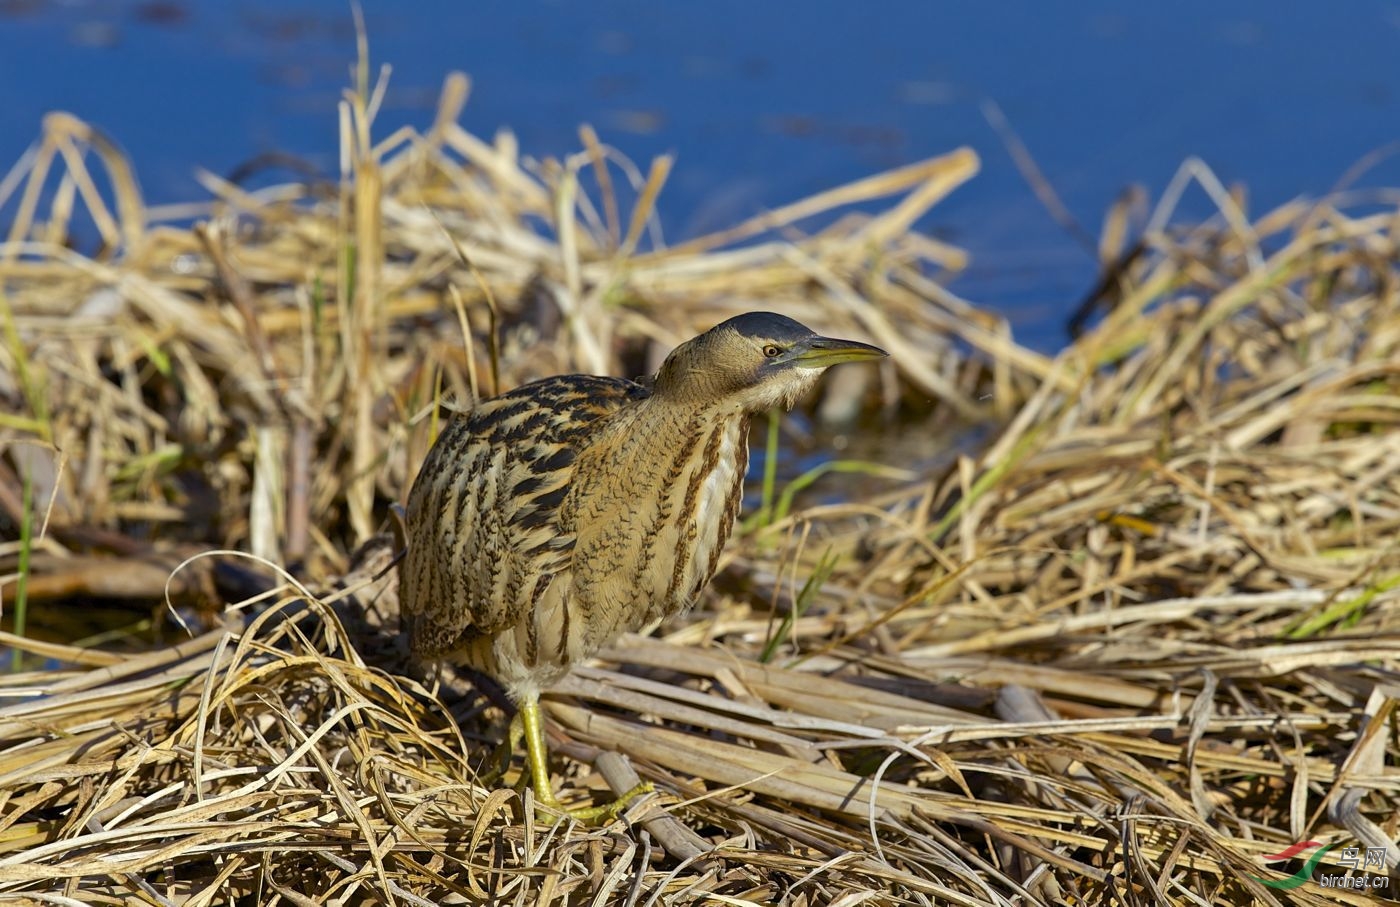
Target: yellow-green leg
point(537, 755)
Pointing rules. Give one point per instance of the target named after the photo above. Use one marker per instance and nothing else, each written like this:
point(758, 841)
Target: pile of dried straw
point(1140, 638)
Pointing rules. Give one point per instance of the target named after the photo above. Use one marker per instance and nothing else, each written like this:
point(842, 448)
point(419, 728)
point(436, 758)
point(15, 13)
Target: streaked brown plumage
point(549, 520)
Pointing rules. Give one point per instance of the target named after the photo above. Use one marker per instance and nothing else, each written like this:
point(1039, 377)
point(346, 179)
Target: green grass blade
point(809, 478)
point(770, 469)
point(826, 565)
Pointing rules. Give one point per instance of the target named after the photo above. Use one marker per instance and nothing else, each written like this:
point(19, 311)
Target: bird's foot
point(548, 804)
point(528, 724)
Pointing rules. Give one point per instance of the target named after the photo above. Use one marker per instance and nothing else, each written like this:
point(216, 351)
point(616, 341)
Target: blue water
point(764, 102)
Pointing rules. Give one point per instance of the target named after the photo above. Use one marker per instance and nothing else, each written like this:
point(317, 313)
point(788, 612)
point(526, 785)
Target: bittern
point(549, 520)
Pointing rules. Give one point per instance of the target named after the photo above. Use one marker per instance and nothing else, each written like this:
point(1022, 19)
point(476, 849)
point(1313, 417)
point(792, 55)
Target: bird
point(548, 520)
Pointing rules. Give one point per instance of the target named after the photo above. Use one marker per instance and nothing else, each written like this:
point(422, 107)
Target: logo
point(1351, 858)
point(1301, 875)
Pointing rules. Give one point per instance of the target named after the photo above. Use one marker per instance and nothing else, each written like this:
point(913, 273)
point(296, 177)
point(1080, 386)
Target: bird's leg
point(537, 754)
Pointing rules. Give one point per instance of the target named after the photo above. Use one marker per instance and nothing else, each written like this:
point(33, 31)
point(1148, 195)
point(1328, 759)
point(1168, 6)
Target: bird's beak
point(820, 352)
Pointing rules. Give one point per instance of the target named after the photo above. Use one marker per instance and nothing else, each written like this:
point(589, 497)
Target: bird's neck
point(694, 457)
point(711, 448)
point(677, 425)
point(707, 450)
point(664, 502)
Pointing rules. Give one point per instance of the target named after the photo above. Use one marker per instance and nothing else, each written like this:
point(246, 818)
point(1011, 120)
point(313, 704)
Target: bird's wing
point(485, 539)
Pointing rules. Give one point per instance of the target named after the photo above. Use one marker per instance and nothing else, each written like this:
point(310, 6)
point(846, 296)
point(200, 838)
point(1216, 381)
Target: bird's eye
point(772, 351)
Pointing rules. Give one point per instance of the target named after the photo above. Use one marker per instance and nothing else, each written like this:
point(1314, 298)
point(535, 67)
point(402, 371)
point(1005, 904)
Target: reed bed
point(1136, 639)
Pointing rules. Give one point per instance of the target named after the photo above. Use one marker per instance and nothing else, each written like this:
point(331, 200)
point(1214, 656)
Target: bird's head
point(754, 362)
